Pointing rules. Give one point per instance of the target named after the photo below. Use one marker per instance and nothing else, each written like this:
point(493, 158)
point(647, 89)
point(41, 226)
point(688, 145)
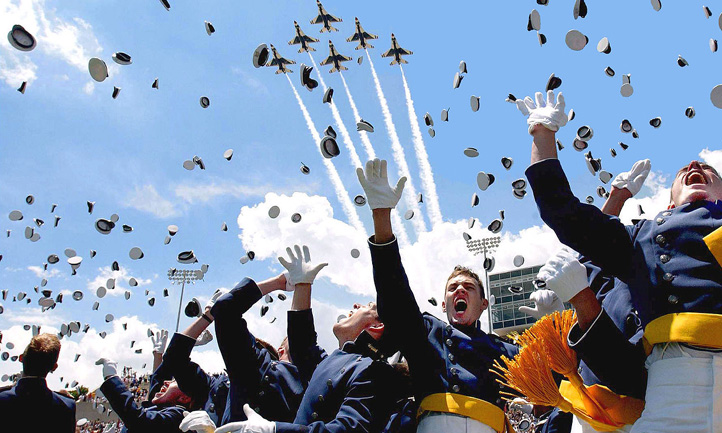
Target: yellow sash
point(699, 329)
point(470, 407)
point(621, 408)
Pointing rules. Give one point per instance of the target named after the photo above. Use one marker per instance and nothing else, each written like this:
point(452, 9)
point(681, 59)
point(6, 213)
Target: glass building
point(505, 313)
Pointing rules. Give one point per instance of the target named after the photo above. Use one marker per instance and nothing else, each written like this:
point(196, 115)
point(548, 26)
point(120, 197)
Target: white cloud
point(42, 273)
point(712, 157)
point(654, 198)
point(89, 88)
point(250, 81)
point(427, 262)
point(90, 346)
point(71, 41)
point(147, 199)
point(121, 280)
point(14, 69)
point(203, 193)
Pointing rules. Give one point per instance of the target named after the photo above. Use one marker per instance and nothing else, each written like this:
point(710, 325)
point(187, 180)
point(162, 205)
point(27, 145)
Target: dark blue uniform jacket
point(35, 408)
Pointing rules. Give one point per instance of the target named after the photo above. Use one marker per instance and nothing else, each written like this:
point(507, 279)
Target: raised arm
point(303, 346)
point(583, 227)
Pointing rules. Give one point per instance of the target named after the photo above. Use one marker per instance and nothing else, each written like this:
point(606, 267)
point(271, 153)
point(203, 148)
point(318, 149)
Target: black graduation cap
point(580, 9)
point(656, 122)
point(507, 162)
point(116, 91)
point(306, 80)
point(603, 46)
point(553, 82)
point(305, 169)
point(328, 96)
point(155, 84)
point(21, 39)
point(193, 308)
point(689, 112)
point(329, 147)
point(609, 71)
point(210, 29)
point(165, 4)
point(432, 301)
point(122, 58)
point(330, 131)
point(623, 146)
point(22, 87)
point(260, 55)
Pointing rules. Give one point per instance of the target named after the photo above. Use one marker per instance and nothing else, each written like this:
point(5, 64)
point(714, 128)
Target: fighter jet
point(302, 39)
point(325, 18)
point(396, 52)
point(335, 59)
point(361, 36)
point(279, 61)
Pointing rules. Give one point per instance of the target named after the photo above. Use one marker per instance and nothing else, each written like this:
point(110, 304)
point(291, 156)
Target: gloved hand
point(198, 421)
point(633, 179)
point(160, 340)
point(211, 302)
point(205, 338)
point(547, 113)
point(300, 269)
point(564, 275)
point(545, 302)
point(255, 424)
point(375, 183)
point(110, 368)
point(289, 284)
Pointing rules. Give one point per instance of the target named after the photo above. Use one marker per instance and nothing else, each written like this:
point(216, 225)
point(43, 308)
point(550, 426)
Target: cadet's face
point(696, 182)
point(170, 394)
point(359, 318)
point(462, 301)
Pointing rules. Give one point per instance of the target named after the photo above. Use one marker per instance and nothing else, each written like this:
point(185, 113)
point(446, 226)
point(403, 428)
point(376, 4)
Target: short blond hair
point(41, 355)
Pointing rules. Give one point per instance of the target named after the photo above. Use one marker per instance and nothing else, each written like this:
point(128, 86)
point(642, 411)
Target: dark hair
point(41, 355)
point(463, 270)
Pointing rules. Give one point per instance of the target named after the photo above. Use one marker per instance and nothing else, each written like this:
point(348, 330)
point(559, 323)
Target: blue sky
point(67, 141)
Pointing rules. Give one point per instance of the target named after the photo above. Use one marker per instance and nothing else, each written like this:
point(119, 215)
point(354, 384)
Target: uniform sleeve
point(244, 361)
point(135, 417)
point(69, 416)
point(190, 377)
point(584, 228)
point(362, 410)
point(403, 322)
point(303, 346)
point(617, 363)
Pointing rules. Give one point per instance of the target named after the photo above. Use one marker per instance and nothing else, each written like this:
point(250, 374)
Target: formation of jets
point(334, 58)
point(361, 36)
point(280, 62)
point(396, 52)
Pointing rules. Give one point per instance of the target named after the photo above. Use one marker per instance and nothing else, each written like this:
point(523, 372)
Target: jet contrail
point(427, 176)
point(341, 194)
point(363, 134)
point(355, 160)
point(398, 153)
point(371, 154)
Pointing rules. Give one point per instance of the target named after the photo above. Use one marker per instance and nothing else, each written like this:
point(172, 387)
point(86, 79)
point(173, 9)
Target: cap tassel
point(545, 348)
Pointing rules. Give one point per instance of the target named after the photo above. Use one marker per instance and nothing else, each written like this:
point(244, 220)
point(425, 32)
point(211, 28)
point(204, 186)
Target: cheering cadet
point(30, 405)
point(351, 390)
point(260, 376)
point(670, 266)
point(449, 363)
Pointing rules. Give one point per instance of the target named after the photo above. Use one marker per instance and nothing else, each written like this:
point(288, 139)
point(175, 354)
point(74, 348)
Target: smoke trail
point(371, 154)
point(363, 134)
point(427, 176)
point(355, 160)
point(398, 153)
point(341, 193)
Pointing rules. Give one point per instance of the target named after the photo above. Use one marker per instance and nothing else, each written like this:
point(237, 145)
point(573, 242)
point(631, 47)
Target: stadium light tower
point(182, 277)
point(485, 246)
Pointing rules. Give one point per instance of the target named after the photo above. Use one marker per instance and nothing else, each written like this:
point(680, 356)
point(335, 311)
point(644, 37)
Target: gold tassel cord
point(545, 348)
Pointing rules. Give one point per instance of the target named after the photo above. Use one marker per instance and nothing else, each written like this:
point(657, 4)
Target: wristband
point(205, 316)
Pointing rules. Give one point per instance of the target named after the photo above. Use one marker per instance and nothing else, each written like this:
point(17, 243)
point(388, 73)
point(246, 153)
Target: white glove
point(564, 275)
point(198, 421)
point(205, 338)
point(547, 113)
point(545, 302)
point(633, 179)
point(375, 183)
point(211, 302)
point(300, 269)
point(110, 368)
point(255, 424)
point(160, 340)
point(289, 284)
